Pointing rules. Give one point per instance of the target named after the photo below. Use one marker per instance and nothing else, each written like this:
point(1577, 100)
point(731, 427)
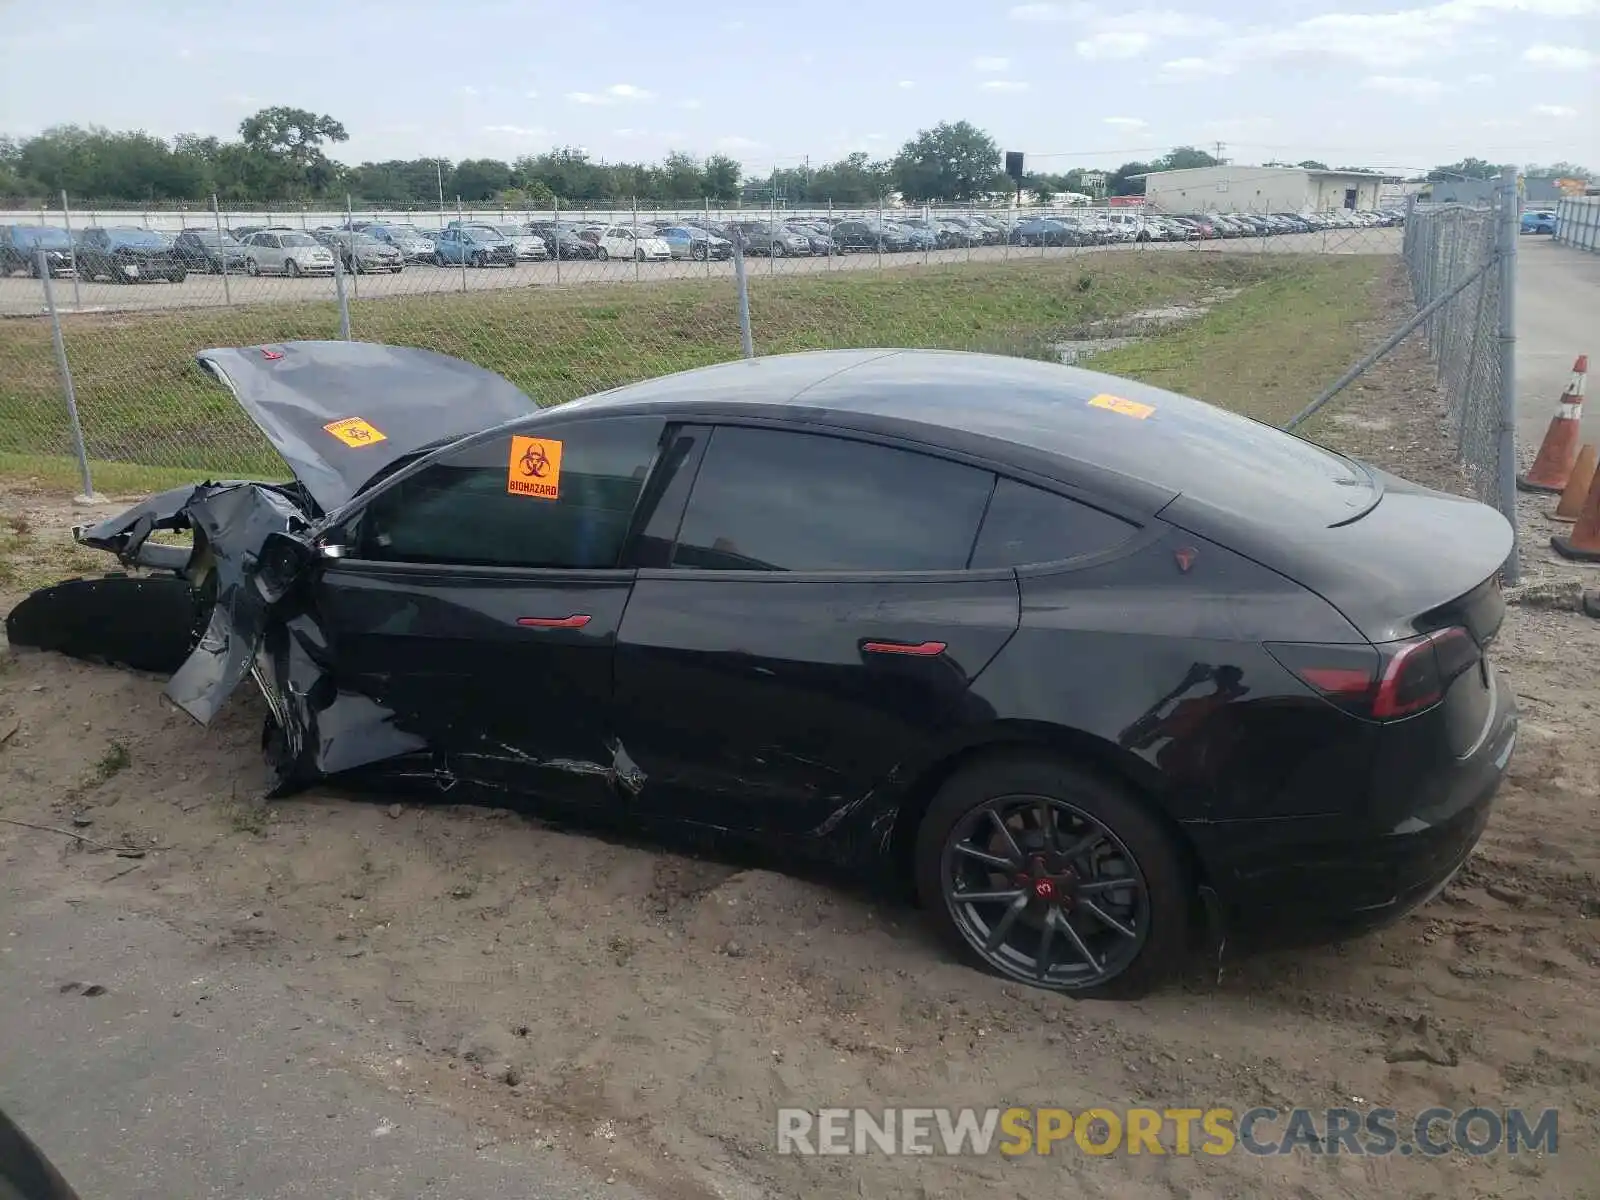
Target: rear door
point(807, 625)
point(479, 600)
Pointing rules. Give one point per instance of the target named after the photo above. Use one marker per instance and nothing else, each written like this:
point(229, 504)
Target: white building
point(1260, 189)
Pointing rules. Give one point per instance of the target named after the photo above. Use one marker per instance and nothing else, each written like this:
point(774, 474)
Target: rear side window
point(473, 508)
point(772, 500)
point(1026, 524)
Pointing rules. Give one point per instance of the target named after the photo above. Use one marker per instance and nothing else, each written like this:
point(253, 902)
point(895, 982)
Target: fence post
point(878, 233)
point(72, 249)
point(67, 390)
point(1506, 474)
point(637, 265)
point(222, 250)
point(349, 221)
point(556, 213)
point(339, 292)
point(746, 342)
point(461, 229)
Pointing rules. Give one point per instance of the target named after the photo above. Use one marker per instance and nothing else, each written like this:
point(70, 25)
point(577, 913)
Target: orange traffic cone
point(1559, 449)
point(1584, 544)
point(1577, 489)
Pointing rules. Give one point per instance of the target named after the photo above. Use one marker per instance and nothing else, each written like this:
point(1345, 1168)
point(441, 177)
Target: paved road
point(203, 1079)
point(20, 295)
point(1558, 318)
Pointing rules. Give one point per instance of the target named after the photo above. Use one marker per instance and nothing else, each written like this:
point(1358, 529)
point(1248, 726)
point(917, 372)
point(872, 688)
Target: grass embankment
point(152, 419)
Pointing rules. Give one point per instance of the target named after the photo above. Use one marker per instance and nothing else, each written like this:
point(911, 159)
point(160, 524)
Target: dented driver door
point(479, 599)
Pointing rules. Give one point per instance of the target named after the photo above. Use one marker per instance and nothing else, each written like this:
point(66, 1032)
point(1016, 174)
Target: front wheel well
point(1071, 745)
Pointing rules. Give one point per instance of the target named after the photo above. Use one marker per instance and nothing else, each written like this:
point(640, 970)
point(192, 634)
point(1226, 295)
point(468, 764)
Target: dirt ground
point(648, 1011)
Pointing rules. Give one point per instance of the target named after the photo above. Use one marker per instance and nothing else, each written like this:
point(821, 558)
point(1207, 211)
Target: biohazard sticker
point(356, 432)
point(1116, 404)
point(535, 468)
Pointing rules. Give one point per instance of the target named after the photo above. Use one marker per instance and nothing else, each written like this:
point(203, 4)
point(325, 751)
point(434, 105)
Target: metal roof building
point(1260, 189)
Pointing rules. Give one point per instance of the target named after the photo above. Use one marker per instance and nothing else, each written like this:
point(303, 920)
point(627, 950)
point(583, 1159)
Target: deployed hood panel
point(341, 413)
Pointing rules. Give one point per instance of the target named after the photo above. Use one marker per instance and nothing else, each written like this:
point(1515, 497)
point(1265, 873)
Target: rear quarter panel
point(1163, 669)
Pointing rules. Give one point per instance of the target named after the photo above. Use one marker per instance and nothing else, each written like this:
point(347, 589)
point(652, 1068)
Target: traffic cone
point(1577, 489)
point(1559, 449)
point(1584, 544)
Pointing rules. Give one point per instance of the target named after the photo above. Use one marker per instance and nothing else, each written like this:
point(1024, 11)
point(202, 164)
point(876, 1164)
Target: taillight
point(1385, 682)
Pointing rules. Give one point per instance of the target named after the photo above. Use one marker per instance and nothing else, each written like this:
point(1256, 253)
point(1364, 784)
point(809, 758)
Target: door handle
point(920, 649)
point(575, 621)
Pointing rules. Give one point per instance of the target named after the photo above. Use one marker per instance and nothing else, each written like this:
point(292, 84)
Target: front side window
point(772, 500)
point(563, 498)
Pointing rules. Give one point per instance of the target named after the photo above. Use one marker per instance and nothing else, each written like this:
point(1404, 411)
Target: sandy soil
point(648, 1011)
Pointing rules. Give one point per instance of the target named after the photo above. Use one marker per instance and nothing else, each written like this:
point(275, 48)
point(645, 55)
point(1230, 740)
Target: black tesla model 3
point(1071, 651)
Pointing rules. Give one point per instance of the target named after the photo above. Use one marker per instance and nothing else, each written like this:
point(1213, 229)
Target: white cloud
point(737, 143)
point(1195, 68)
point(991, 64)
point(907, 84)
point(1160, 23)
point(1004, 85)
point(689, 103)
point(530, 95)
point(877, 137)
point(1559, 58)
point(733, 26)
point(467, 89)
point(1128, 123)
point(521, 131)
point(1479, 79)
point(1114, 43)
point(612, 95)
point(1408, 86)
point(1559, 111)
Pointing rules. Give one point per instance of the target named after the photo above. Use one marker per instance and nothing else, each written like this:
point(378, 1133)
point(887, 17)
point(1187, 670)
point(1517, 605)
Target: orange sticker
point(1128, 408)
point(353, 431)
point(535, 468)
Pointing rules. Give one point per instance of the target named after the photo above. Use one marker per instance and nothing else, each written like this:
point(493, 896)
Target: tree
point(719, 178)
point(1185, 158)
point(948, 162)
point(1121, 182)
point(1311, 164)
point(1558, 170)
point(287, 146)
point(477, 180)
point(1467, 168)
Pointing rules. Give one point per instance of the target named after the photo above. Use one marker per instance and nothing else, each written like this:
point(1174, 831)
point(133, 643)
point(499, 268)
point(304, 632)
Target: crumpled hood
point(341, 413)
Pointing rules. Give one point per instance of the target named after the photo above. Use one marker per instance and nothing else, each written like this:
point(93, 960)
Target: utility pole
point(1220, 147)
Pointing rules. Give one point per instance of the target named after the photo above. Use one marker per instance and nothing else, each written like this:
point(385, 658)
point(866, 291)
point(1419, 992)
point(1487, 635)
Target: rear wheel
point(777, 250)
point(1053, 876)
point(638, 256)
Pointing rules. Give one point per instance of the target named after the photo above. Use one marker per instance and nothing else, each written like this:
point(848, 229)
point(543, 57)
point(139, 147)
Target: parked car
point(690, 241)
point(563, 240)
point(866, 235)
point(1067, 650)
point(241, 233)
point(627, 242)
point(530, 247)
point(1203, 225)
point(766, 237)
point(208, 251)
point(20, 244)
point(361, 253)
point(1047, 232)
point(413, 244)
point(286, 252)
point(475, 246)
point(128, 254)
point(1539, 221)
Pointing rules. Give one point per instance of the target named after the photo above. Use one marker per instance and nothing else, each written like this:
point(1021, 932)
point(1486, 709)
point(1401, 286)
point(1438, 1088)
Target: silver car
point(362, 253)
point(413, 244)
point(530, 246)
point(285, 252)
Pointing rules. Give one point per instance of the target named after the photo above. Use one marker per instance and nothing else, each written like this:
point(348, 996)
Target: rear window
point(1026, 524)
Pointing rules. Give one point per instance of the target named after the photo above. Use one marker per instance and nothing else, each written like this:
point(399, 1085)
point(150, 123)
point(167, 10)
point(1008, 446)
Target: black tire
point(177, 276)
point(291, 269)
point(601, 254)
point(480, 260)
point(1140, 881)
point(438, 260)
point(777, 250)
point(699, 253)
point(252, 267)
point(638, 256)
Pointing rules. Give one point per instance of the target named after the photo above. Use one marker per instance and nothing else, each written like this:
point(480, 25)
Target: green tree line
point(281, 157)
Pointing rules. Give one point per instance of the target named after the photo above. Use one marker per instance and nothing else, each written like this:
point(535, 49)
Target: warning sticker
point(535, 468)
point(1128, 408)
point(354, 431)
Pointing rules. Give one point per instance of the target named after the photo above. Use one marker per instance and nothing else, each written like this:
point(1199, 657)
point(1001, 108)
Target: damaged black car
point(1092, 663)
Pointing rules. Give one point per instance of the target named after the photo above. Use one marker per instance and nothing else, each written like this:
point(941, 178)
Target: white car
point(1136, 227)
point(641, 245)
point(280, 252)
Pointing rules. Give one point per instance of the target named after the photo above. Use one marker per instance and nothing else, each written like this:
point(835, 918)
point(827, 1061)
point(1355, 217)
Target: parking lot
point(20, 295)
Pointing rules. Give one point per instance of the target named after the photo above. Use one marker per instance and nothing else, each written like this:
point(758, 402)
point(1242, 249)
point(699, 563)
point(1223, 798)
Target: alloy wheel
point(1044, 892)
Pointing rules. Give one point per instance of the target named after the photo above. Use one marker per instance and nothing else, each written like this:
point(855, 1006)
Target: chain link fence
point(565, 303)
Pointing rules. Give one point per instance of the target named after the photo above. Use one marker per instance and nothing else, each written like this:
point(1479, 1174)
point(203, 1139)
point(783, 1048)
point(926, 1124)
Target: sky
point(1069, 83)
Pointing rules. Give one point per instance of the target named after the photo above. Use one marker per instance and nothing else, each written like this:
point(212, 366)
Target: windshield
point(207, 237)
point(483, 232)
point(362, 239)
point(296, 239)
point(405, 231)
point(143, 238)
point(44, 237)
